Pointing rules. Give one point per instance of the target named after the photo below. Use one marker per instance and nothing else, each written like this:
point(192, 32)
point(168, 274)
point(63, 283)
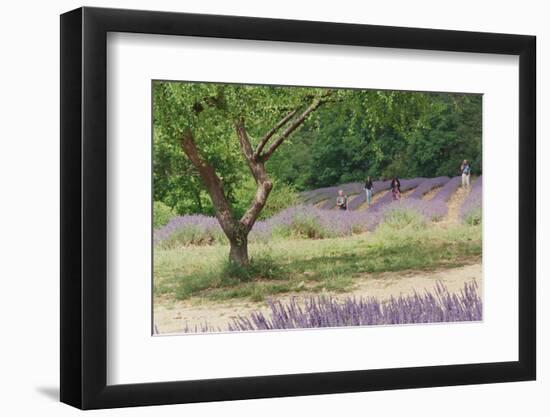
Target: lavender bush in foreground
point(325, 311)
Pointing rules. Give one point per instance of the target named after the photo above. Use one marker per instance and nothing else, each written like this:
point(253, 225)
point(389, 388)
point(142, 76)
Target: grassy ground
point(293, 265)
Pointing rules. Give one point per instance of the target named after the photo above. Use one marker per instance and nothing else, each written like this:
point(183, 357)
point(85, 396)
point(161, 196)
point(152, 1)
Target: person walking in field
point(465, 171)
point(396, 188)
point(342, 201)
point(368, 189)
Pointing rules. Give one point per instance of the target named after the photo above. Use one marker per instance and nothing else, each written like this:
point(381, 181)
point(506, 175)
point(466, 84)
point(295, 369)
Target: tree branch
point(263, 183)
point(297, 122)
point(213, 185)
point(250, 216)
point(269, 134)
point(256, 167)
point(246, 147)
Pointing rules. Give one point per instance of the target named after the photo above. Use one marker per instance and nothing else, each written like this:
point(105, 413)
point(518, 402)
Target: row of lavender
point(327, 196)
point(322, 311)
point(315, 222)
point(305, 221)
point(470, 211)
point(302, 221)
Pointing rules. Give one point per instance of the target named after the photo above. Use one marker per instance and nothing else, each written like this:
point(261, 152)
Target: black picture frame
point(84, 207)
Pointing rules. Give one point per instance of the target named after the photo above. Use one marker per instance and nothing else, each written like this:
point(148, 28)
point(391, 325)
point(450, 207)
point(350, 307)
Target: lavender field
point(317, 216)
point(312, 252)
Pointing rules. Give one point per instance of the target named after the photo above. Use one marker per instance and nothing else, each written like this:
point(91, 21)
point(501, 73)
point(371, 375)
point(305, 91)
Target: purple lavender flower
point(324, 311)
point(194, 228)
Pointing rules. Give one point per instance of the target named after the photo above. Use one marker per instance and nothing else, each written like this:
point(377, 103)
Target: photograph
point(268, 209)
point(292, 207)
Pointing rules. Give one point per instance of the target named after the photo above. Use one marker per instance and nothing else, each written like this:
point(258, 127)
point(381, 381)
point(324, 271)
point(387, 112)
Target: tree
point(203, 117)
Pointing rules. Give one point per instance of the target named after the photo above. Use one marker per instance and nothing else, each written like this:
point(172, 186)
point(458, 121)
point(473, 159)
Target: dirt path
point(454, 204)
point(171, 318)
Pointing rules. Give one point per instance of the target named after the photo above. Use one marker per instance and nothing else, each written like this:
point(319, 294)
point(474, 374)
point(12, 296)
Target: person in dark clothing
point(368, 189)
point(342, 201)
point(396, 188)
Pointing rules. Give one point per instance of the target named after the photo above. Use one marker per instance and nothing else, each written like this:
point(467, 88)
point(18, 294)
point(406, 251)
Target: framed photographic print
point(257, 208)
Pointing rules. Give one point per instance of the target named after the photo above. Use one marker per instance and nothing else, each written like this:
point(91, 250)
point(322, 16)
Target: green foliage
point(453, 133)
point(161, 214)
point(383, 134)
point(473, 218)
point(351, 138)
point(210, 112)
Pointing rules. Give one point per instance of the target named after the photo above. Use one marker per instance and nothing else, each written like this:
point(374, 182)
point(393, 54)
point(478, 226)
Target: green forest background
point(360, 133)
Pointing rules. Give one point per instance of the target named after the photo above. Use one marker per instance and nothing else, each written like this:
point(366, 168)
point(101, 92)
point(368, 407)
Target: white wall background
point(29, 237)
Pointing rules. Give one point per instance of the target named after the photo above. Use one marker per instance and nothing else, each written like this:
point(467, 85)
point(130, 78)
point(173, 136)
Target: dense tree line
point(333, 151)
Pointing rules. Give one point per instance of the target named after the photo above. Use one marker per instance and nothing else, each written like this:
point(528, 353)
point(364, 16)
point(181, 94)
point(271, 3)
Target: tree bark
point(238, 251)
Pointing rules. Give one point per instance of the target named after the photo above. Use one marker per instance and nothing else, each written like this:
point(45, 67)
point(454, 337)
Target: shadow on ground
point(50, 392)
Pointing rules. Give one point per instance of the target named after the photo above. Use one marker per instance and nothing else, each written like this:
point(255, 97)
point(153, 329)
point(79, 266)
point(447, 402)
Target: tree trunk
point(238, 252)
